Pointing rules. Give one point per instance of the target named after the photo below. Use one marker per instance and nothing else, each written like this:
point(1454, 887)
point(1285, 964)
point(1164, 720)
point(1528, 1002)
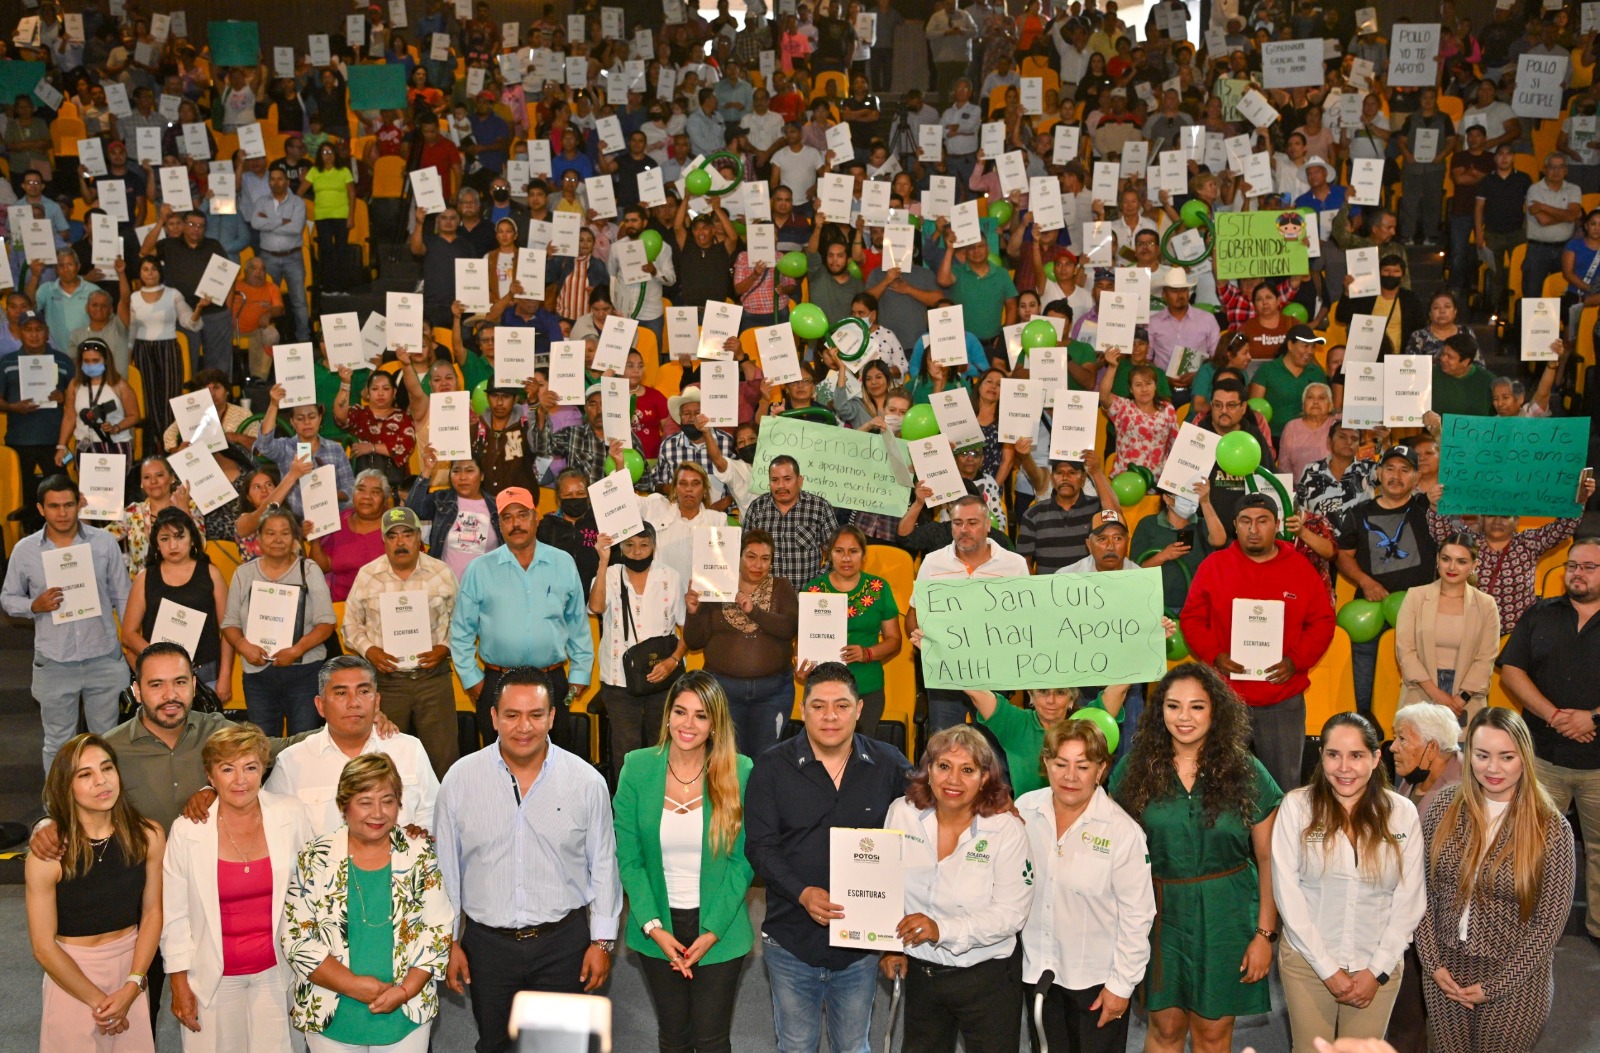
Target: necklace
point(236, 849)
point(836, 776)
point(99, 847)
point(686, 783)
point(366, 919)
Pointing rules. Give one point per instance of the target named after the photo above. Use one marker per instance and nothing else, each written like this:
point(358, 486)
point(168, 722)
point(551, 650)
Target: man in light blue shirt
point(520, 605)
point(76, 661)
point(64, 302)
point(707, 132)
point(528, 855)
point(735, 96)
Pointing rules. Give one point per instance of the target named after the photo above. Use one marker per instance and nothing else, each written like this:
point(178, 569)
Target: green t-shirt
point(1022, 737)
point(982, 300)
point(1471, 395)
point(1082, 354)
point(327, 382)
point(871, 605)
point(1284, 390)
point(1123, 384)
point(371, 953)
point(1155, 533)
point(477, 370)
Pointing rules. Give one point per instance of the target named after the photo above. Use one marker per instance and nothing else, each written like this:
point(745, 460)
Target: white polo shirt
point(944, 563)
point(1094, 902)
point(310, 771)
point(978, 895)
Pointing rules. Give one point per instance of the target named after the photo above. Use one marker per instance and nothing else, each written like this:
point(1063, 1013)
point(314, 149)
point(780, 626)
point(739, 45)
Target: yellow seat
point(894, 565)
point(1453, 107)
point(389, 177)
point(1333, 687)
point(65, 133)
point(1514, 277)
point(1545, 135)
point(227, 557)
point(136, 382)
point(819, 85)
point(1526, 163)
point(10, 496)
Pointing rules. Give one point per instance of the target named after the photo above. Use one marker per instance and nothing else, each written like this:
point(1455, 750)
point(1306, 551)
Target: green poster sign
point(849, 469)
point(1524, 466)
point(377, 87)
point(1051, 630)
point(234, 43)
point(1268, 244)
point(18, 78)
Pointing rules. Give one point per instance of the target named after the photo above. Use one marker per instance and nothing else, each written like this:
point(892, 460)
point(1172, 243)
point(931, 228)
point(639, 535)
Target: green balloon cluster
point(1129, 488)
point(1362, 620)
point(632, 460)
point(1177, 646)
point(808, 321)
point(1297, 311)
point(1195, 213)
point(853, 268)
point(1239, 453)
point(1391, 607)
point(920, 423)
point(697, 182)
point(1102, 720)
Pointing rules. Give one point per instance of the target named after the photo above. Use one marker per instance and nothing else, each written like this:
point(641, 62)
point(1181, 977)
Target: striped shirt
point(511, 860)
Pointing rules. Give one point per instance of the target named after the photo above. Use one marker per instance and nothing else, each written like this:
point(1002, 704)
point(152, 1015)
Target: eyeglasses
point(1584, 568)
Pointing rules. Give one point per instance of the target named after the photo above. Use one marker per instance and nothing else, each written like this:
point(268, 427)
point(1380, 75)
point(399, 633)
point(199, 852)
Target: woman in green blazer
point(680, 848)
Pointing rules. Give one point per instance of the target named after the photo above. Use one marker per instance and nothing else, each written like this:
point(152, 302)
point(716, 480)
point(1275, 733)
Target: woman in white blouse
point(152, 312)
point(1094, 901)
point(967, 895)
point(1347, 875)
point(676, 518)
point(637, 599)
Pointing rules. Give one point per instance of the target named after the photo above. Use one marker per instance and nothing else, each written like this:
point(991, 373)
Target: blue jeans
point(1543, 259)
point(961, 166)
point(278, 695)
point(759, 708)
point(802, 996)
point(292, 270)
point(1363, 667)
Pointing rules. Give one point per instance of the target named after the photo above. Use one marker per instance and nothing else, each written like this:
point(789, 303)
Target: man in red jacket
point(1257, 566)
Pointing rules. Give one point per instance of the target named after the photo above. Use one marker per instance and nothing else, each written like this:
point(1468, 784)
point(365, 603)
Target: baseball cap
point(514, 495)
point(486, 96)
point(1304, 334)
point(1256, 501)
point(29, 318)
point(1107, 520)
point(1405, 453)
point(400, 517)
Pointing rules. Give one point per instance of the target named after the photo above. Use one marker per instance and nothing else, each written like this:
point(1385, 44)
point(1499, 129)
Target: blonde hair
point(1530, 813)
point(722, 755)
point(697, 469)
point(363, 773)
point(234, 741)
point(127, 825)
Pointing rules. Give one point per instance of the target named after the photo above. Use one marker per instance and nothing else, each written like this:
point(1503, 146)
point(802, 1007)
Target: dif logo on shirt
point(1096, 844)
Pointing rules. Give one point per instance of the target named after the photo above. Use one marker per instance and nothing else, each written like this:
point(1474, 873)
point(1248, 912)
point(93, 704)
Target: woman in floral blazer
point(366, 923)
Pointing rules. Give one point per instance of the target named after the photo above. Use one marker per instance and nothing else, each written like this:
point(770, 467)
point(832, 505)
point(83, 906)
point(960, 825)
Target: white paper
point(1254, 107)
point(780, 363)
point(147, 151)
point(761, 243)
point(602, 196)
point(1135, 156)
point(472, 284)
point(947, 336)
point(403, 328)
point(719, 393)
point(837, 138)
point(1073, 424)
point(992, 139)
point(407, 629)
point(71, 569)
point(564, 230)
point(1256, 640)
point(223, 188)
point(1012, 171)
point(616, 506)
point(835, 192)
point(341, 340)
point(292, 367)
point(875, 202)
point(1541, 326)
point(1413, 55)
point(930, 143)
point(319, 50)
point(102, 478)
point(1292, 63)
point(616, 415)
point(196, 416)
point(939, 200)
point(1132, 285)
point(720, 324)
point(1021, 404)
point(716, 563)
point(1408, 389)
point(450, 424)
point(1538, 90)
point(652, 191)
point(1364, 389)
point(957, 422)
point(252, 141)
point(1194, 454)
point(175, 188)
point(1118, 317)
point(1048, 366)
point(822, 627)
point(319, 500)
point(217, 281)
point(513, 356)
point(867, 875)
point(270, 624)
point(1362, 265)
point(1425, 145)
point(1364, 339)
point(530, 274)
point(374, 337)
point(199, 471)
point(1064, 147)
point(92, 155)
point(37, 377)
point(617, 335)
point(1366, 180)
point(196, 144)
point(428, 190)
point(566, 371)
point(965, 227)
point(1098, 243)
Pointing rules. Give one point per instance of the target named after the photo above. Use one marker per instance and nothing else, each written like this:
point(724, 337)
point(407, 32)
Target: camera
point(95, 416)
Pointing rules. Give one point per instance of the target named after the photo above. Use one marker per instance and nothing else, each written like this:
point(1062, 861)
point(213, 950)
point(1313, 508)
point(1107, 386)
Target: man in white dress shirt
point(347, 698)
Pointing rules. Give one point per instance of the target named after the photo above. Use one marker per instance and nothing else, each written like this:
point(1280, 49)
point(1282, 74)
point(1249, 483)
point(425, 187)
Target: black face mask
point(747, 454)
point(638, 566)
point(1389, 281)
point(502, 196)
point(574, 507)
point(692, 431)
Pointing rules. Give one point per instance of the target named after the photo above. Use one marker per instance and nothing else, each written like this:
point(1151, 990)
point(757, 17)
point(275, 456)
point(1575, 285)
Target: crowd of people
point(617, 252)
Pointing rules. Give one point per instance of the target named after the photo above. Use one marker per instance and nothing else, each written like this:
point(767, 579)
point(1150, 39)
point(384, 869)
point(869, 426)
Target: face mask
point(692, 431)
point(747, 454)
point(893, 421)
point(1185, 506)
point(640, 565)
point(574, 507)
point(94, 369)
point(502, 196)
point(1389, 281)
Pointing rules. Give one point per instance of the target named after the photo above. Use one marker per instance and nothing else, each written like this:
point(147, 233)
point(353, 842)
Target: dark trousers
point(424, 705)
point(502, 965)
point(155, 979)
point(1408, 1021)
point(283, 695)
point(36, 462)
point(1070, 1026)
point(558, 695)
point(635, 722)
point(695, 1016)
point(333, 265)
point(981, 1003)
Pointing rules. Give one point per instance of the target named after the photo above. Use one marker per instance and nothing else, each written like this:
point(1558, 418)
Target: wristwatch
point(609, 946)
point(139, 980)
point(1382, 979)
point(652, 925)
point(1267, 934)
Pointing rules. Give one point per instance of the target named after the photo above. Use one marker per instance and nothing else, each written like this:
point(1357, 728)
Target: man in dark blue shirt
point(491, 135)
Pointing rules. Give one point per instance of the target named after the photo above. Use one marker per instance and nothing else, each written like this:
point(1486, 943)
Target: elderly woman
point(161, 490)
point(679, 516)
point(366, 923)
point(1092, 910)
point(224, 882)
point(967, 896)
point(357, 541)
point(1305, 439)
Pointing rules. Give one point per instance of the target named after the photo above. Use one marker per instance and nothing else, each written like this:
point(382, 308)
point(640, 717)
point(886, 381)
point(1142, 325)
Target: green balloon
point(1129, 488)
point(996, 262)
point(854, 268)
point(1195, 213)
point(632, 460)
point(808, 321)
point(1146, 474)
point(1102, 720)
point(1239, 453)
point(1261, 406)
point(1213, 308)
point(1362, 620)
point(697, 182)
point(1038, 333)
point(793, 265)
point(741, 229)
point(651, 240)
point(1050, 270)
point(1391, 607)
point(1001, 212)
point(1297, 311)
point(920, 423)
point(1177, 646)
point(480, 397)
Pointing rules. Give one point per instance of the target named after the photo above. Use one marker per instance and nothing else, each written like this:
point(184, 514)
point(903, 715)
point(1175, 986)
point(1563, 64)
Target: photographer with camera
point(104, 409)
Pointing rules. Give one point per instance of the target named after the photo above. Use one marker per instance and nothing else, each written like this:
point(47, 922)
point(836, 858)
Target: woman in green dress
point(872, 631)
point(1206, 805)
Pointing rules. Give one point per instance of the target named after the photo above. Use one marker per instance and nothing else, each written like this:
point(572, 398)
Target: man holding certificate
point(1258, 566)
point(397, 615)
point(68, 579)
point(799, 791)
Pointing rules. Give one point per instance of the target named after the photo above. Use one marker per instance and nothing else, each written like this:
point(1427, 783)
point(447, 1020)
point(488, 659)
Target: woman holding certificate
point(678, 514)
point(680, 850)
point(873, 626)
point(749, 644)
point(1093, 904)
point(1448, 634)
point(1206, 805)
point(180, 596)
point(967, 895)
point(1347, 876)
point(162, 491)
point(153, 312)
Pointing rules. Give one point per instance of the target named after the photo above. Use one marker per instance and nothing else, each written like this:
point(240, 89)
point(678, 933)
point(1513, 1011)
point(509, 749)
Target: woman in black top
point(94, 915)
point(178, 571)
